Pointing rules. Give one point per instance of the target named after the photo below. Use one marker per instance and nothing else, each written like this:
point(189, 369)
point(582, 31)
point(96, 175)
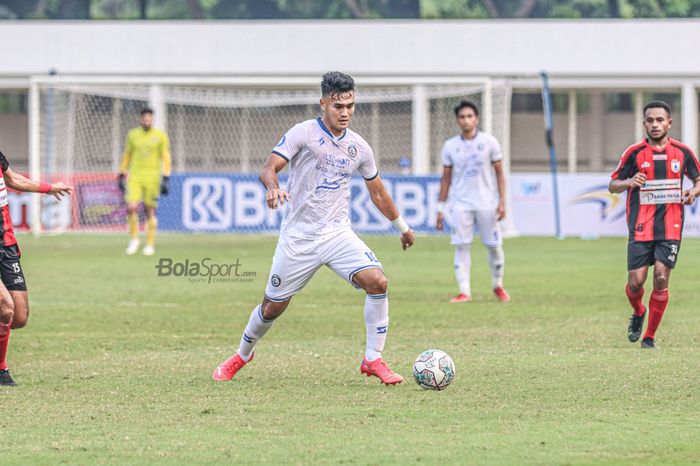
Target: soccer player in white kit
point(322, 155)
point(473, 168)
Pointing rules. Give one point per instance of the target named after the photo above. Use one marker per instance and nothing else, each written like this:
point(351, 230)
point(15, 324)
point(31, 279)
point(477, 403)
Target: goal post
point(223, 129)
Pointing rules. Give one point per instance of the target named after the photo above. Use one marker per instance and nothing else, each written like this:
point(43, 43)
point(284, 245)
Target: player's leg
point(349, 257)
point(260, 321)
point(151, 227)
point(294, 263)
point(640, 254)
point(133, 196)
point(491, 237)
point(7, 312)
point(12, 283)
point(462, 235)
point(151, 193)
point(665, 255)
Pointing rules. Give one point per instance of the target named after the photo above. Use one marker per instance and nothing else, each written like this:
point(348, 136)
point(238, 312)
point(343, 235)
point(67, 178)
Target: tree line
point(344, 9)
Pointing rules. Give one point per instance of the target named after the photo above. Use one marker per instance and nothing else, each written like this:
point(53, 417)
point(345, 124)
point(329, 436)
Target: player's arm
point(626, 176)
point(22, 183)
point(445, 183)
point(636, 181)
point(381, 198)
point(124, 166)
point(691, 194)
point(501, 184)
point(166, 166)
point(268, 177)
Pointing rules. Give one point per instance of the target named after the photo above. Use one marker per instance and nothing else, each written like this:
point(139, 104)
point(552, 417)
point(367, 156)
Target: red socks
point(4, 340)
point(635, 300)
point(657, 306)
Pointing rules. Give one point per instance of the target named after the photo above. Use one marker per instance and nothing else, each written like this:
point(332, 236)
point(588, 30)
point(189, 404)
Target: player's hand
point(638, 180)
point(407, 239)
point(165, 186)
point(276, 198)
point(500, 211)
point(440, 224)
point(60, 189)
point(688, 197)
point(121, 182)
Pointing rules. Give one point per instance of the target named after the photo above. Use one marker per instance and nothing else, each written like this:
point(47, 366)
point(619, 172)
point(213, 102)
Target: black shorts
point(10, 269)
point(645, 253)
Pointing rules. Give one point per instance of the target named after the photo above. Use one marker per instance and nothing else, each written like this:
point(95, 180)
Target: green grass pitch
point(115, 365)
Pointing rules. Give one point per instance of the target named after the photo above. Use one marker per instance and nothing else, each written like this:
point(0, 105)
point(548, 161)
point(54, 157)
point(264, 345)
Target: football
point(434, 370)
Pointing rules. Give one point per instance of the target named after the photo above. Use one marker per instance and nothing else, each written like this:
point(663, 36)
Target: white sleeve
point(496, 153)
point(368, 168)
point(446, 156)
point(291, 143)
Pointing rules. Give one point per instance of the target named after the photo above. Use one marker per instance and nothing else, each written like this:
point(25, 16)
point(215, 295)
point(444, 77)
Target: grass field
point(115, 365)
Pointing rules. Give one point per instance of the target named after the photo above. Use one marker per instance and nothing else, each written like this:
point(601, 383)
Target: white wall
point(566, 48)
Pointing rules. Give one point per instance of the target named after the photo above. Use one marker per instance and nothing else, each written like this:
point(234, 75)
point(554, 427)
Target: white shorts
point(297, 259)
point(462, 222)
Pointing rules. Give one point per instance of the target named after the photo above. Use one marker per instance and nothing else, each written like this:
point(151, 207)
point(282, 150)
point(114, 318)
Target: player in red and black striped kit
point(652, 174)
point(14, 303)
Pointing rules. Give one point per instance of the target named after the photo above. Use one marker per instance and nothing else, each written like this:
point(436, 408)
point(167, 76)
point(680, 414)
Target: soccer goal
point(222, 130)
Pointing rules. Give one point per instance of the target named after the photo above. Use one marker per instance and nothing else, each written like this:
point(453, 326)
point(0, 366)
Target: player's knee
point(7, 310)
point(660, 281)
point(378, 285)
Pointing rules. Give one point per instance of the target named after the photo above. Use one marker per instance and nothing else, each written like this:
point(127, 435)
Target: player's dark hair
point(335, 82)
point(147, 110)
point(466, 103)
point(657, 104)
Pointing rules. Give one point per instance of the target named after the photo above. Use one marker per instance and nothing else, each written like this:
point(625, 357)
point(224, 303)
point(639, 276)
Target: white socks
point(377, 322)
point(463, 264)
point(497, 262)
point(254, 331)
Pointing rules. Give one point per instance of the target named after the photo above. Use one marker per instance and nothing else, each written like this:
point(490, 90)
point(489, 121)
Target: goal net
point(220, 136)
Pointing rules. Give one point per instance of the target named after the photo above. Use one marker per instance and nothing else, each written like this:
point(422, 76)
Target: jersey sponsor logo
point(660, 196)
point(207, 203)
point(275, 280)
point(328, 184)
point(664, 183)
point(3, 192)
point(675, 166)
point(352, 151)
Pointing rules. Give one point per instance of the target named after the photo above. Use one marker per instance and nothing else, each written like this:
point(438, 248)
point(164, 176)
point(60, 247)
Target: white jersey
point(473, 185)
point(320, 167)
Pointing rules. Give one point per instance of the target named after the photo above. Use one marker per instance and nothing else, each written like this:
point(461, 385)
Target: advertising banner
point(234, 203)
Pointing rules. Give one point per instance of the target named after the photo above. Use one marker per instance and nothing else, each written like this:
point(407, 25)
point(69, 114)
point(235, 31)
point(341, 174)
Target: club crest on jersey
point(675, 166)
point(275, 280)
point(352, 151)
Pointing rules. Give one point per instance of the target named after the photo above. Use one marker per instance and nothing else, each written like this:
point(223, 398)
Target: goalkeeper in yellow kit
point(147, 162)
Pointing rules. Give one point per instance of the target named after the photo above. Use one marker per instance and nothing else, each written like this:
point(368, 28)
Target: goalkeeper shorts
point(143, 188)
